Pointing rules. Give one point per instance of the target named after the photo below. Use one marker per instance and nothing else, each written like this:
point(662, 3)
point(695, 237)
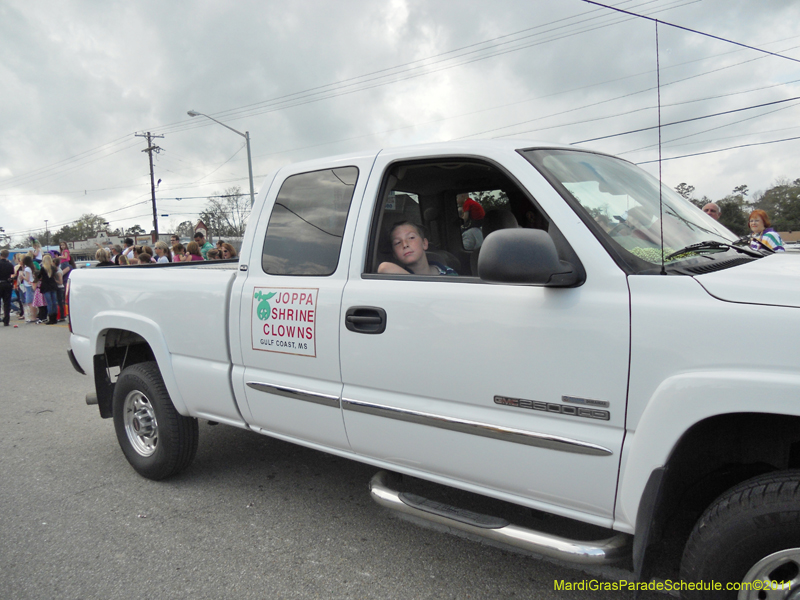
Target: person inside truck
point(471, 211)
point(409, 244)
point(642, 225)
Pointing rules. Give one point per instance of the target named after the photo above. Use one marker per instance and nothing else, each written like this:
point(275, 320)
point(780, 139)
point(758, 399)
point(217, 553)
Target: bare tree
point(184, 229)
point(226, 214)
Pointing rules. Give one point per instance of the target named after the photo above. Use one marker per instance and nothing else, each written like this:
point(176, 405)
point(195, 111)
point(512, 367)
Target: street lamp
point(246, 136)
point(46, 234)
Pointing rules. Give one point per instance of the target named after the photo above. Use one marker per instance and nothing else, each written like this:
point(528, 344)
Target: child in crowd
point(178, 252)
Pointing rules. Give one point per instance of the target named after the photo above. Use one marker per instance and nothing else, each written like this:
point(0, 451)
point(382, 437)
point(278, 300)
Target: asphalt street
point(253, 517)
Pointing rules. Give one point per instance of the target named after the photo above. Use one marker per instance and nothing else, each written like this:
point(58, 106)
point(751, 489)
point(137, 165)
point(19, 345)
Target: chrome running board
point(499, 530)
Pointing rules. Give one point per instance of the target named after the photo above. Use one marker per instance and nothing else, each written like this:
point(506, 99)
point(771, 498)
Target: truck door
point(290, 301)
point(515, 391)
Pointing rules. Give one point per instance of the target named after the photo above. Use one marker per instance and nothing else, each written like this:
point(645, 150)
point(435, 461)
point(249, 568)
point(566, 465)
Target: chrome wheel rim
point(781, 568)
point(140, 423)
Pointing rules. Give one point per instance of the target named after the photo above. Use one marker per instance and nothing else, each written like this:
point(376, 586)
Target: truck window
point(432, 193)
point(304, 234)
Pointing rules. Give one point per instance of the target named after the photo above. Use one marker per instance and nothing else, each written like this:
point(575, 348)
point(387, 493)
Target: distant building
point(85, 249)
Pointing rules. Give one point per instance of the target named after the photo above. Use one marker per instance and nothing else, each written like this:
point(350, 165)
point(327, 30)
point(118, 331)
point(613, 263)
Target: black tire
point(739, 535)
point(157, 441)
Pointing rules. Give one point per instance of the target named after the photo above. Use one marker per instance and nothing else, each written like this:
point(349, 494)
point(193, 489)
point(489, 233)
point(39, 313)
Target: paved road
point(252, 518)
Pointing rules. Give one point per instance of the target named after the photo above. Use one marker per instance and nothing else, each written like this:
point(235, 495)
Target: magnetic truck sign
point(284, 320)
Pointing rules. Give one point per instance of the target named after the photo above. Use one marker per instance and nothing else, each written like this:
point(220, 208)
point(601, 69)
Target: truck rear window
point(304, 234)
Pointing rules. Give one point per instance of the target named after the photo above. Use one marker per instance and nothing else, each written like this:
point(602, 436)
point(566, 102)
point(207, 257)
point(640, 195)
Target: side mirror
point(524, 256)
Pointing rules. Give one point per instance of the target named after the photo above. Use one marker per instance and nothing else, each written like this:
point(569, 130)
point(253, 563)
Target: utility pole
point(150, 149)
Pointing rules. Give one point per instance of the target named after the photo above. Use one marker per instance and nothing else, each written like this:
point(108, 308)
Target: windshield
point(620, 202)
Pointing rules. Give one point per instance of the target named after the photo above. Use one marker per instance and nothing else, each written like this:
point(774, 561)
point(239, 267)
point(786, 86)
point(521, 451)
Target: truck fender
point(152, 334)
point(679, 403)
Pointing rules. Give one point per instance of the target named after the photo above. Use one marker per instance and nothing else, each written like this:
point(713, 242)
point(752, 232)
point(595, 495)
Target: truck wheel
point(155, 438)
point(749, 534)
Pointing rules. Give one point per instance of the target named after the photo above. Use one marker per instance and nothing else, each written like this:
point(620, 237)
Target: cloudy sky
point(309, 78)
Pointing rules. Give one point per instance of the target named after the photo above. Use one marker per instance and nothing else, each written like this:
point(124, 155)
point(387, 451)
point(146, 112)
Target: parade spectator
point(39, 301)
point(48, 287)
point(26, 275)
point(178, 252)
point(37, 251)
point(61, 296)
point(764, 236)
point(174, 239)
point(6, 285)
point(123, 261)
point(200, 239)
point(193, 252)
point(128, 250)
point(64, 251)
point(66, 269)
point(116, 253)
point(163, 252)
point(213, 254)
point(101, 256)
point(19, 289)
point(38, 307)
point(228, 251)
point(149, 250)
point(712, 210)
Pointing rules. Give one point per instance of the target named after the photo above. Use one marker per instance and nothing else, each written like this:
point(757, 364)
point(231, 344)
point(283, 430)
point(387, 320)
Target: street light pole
point(46, 234)
point(246, 136)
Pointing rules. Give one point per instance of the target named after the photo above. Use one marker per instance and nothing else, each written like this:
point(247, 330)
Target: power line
point(617, 9)
point(683, 137)
point(726, 112)
point(722, 150)
point(725, 137)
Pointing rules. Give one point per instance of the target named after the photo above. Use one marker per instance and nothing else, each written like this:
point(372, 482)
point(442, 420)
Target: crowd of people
point(161, 252)
point(32, 287)
point(763, 236)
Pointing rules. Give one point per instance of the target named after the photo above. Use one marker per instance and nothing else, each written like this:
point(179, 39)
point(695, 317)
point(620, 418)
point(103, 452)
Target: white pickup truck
point(609, 354)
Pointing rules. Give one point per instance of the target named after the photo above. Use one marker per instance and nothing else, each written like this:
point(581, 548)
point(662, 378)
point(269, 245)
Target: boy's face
point(408, 245)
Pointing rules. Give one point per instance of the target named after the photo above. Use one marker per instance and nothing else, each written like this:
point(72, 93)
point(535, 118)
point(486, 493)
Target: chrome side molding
point(496, 529)
point(506, 434)
point(295, 393)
